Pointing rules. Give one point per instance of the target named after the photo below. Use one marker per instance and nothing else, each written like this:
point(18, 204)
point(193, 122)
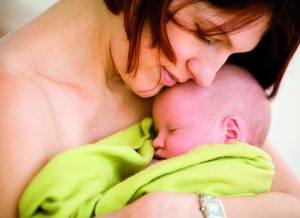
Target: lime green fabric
point(105, 176)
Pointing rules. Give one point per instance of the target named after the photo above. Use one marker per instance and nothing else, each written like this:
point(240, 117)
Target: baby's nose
point(158, 142)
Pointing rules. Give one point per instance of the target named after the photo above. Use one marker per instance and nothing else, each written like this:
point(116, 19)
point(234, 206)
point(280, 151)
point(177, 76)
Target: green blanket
point(105, 176)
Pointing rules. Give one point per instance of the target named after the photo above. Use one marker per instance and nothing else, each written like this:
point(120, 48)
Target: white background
point(285, 108)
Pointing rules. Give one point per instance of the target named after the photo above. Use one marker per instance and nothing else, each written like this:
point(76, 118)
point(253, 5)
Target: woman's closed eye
point(200, 35)
point(205, 40)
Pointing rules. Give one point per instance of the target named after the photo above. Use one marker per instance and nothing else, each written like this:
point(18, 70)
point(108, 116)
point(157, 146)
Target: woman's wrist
point(211, 207)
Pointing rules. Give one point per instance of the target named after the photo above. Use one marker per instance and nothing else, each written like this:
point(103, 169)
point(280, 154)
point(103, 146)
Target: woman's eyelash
point(200, 35)
point(205, 40)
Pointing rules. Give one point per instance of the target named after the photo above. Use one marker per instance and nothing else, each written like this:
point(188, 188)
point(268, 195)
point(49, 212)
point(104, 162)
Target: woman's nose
point(204, 71)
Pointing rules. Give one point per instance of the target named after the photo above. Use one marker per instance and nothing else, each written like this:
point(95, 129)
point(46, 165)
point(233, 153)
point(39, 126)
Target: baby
point(233, 108)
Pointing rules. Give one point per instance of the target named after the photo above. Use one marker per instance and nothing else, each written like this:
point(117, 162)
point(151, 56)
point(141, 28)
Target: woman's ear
point(231, 129)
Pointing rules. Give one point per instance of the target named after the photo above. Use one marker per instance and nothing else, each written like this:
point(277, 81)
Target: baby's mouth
point(157, 155)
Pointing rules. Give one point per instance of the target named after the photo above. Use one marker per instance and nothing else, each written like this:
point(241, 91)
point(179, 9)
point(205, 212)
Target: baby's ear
point(231, 129)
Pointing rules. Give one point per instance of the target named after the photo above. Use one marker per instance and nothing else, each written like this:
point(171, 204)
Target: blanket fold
point(105, 176)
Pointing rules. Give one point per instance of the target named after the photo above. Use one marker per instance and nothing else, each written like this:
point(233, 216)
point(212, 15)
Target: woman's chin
point(147, 93)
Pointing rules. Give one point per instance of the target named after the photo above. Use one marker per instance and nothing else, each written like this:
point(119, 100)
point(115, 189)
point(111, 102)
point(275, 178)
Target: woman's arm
point(26, 136)
point(161, 205)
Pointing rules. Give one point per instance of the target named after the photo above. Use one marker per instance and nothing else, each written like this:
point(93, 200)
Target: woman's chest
point(83, 119)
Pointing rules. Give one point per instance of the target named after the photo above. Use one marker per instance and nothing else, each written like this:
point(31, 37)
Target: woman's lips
point(167, 78)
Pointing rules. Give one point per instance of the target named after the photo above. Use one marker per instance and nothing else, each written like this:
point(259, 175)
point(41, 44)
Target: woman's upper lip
point(172, 75)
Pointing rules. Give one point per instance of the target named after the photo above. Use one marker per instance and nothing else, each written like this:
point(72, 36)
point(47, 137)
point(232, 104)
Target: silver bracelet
point(211, 207)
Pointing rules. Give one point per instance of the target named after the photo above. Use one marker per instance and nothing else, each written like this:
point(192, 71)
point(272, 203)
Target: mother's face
point(198, 57)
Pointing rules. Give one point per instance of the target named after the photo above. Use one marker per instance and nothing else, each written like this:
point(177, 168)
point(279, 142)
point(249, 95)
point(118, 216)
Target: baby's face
point(181, 125)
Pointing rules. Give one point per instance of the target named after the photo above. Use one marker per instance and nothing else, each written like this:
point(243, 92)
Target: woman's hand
point(161, 205)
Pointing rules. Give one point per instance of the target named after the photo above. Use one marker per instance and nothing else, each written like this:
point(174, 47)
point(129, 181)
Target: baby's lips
point(158, 155)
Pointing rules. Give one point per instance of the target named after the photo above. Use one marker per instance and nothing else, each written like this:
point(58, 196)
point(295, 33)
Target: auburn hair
point(267, 61)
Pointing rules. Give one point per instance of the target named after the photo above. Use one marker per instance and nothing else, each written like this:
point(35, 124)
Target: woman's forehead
point(211, 16)
point(240, 32)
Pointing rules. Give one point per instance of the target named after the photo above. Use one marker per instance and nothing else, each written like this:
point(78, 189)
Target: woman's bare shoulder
point(27, 132)
point(22, 101)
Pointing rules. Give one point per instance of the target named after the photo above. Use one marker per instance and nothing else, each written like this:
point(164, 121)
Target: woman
point(86, 69)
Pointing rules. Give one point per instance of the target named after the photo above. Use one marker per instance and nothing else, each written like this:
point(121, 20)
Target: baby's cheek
point(176, 146)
